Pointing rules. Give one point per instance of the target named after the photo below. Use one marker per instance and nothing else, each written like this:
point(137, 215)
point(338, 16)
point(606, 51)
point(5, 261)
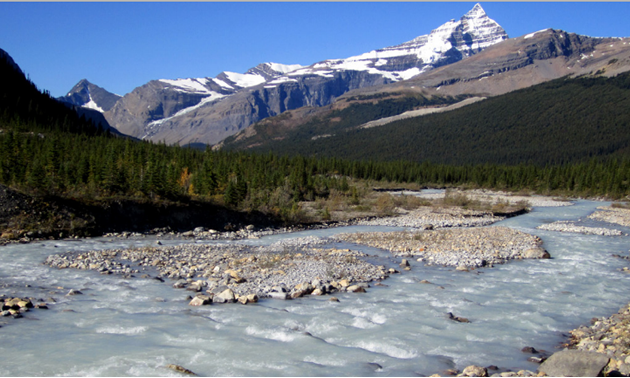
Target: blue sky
point(120, 46)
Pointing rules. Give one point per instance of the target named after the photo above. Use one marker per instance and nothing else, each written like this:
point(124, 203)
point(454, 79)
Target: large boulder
point(574, 363)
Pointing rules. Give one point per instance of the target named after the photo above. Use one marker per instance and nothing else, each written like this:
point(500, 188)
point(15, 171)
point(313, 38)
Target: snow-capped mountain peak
point(450, 42)
point(90, 96)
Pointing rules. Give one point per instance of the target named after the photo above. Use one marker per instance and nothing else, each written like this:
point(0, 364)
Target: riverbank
point(607, 342)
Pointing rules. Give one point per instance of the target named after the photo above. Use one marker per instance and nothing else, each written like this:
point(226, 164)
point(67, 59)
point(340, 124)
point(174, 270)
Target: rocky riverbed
point(462, 248)
point(617, 215)
point(568, 226)
point(229, 273)
point(437, 217)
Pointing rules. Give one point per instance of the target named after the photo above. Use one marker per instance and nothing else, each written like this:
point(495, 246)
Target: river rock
point(250, 298)
point(200, 300)
point(226, 296)
point(574, 363)
point(536, 253)
point(529, 349)
point(356, 289)
point(235, 276)
point(74, 292)
point(279, 289)
point(301, 290)
point(458, 319)
point(180, 284)
point(180, 369)
point(277, 295)
point(475, 371)
point(26, 303)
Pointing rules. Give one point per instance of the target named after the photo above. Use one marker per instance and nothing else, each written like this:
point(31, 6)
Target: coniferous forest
point(46, 149)
point(567, 120)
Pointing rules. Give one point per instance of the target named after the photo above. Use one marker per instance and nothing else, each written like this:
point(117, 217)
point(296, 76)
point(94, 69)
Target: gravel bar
point(458, 247)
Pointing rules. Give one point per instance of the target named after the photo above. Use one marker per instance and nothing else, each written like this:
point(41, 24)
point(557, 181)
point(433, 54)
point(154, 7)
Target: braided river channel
point(135, 327)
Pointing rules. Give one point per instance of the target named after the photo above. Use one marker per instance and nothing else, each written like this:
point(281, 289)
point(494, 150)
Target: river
point(134, 327)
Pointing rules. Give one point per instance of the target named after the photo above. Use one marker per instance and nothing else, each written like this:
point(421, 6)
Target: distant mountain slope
point(512, 64)
point(564, 120)
point(90, 96)
point(206, 110)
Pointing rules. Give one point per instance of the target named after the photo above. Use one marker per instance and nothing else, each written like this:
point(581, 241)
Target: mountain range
point(466, 59)
point(206, 110)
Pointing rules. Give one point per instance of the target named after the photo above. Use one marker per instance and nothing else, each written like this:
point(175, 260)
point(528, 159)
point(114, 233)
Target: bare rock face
point(153, 101)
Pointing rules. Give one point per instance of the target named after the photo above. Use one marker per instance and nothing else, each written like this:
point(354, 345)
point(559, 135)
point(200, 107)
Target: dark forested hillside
point(350, 113)
point(562, 121)
point(23, 104)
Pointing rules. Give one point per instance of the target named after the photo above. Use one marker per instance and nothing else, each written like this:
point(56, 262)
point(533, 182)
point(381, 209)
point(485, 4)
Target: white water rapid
point(134, 327)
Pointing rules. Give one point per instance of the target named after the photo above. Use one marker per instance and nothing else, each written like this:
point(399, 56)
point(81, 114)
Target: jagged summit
point(446, 44)
point(90, 96)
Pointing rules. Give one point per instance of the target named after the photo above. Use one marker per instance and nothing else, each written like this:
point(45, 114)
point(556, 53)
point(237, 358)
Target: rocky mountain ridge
point(501, 68)
point(90, 96)
point(206, 110)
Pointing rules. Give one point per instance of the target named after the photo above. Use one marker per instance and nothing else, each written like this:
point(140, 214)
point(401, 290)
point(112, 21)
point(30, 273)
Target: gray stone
point(200, 300)
point(536, 253)
point(277, 295)
point(279, 289)
point(574, 363)
point(624, 369)
point(180, 284)
point(226, 296)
